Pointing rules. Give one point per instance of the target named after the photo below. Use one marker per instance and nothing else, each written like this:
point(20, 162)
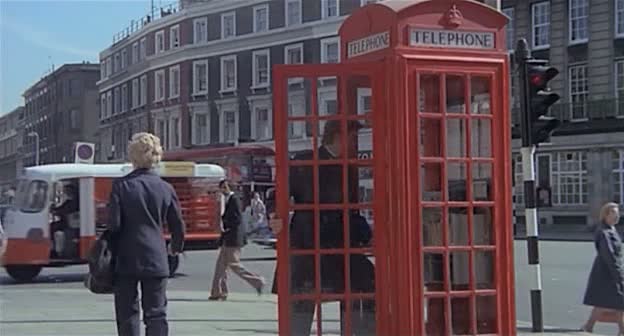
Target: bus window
point(34, 196)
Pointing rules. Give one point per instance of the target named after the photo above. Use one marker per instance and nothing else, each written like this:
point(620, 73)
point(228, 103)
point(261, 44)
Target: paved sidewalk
point(75, 312)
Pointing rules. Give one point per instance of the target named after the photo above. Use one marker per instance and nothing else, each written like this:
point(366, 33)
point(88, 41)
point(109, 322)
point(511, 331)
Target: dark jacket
point(331, 230)
point(233, 234)
point(605, 287)
point(140, 203)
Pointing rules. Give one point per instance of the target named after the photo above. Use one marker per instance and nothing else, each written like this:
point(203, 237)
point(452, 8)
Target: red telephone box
point(407, 139)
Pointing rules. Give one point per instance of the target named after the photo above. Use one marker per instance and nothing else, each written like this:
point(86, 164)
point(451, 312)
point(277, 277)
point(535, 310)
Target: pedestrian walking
point(605, 287)
point(259, 225)
point(233, 238)
point(140, 203)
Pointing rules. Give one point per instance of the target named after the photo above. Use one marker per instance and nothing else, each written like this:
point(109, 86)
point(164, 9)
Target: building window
point(261, 18)
point(569, 177)
point(175, 132)
point(201, 129)
point(159, 44)
point(262, 123)
point(619, 86)
point(116, 63)
point(619, 18)
point(578, 91)
point(228, 73)
point(143, 48)
point(161, 130)
point(159, 85)
point(228, 25)
point(367, 2)
point(518, 187)
point(618, 176)
point(200, 30)
point(200, 77)
point(296, 130)
point(109, 104)
point(509, 28)
point(329, 8)
point(174, 37)
point(103, 106)
point(103, 69)
point(135, 52)
point(261, 69)
point(124, 58)
point(229, 126)
point(330, 50)
point(293, 54)
point(135, 93)
point(109, 67)
point(293, 12)
point(174, 82)
point(143, 91)
point(117, 99)
point(579, 10)
point(540, 14)
point(124, 97)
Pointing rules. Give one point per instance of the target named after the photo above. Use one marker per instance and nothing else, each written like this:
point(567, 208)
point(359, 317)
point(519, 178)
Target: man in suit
point(233, 238)
point(140, 203)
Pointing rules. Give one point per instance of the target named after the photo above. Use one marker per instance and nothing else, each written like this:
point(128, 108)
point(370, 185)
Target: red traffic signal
point(540, 75)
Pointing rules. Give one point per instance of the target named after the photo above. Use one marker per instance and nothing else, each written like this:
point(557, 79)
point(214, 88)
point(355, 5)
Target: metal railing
point(136, 25)
point(588, 111)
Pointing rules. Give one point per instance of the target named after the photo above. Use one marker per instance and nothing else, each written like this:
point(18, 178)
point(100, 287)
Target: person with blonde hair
point(140, 203)
point(605, 287)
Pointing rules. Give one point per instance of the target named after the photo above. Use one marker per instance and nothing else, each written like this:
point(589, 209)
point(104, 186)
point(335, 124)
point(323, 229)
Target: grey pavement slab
point(76, 312)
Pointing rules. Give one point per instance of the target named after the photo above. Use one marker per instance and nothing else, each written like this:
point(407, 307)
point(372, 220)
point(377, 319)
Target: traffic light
point(540, 100)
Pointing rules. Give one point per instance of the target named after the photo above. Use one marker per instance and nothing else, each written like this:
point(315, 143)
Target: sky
point(37, 34)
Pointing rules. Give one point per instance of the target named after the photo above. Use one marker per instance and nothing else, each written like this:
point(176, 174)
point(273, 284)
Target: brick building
point(10, 143)
point(59, 110)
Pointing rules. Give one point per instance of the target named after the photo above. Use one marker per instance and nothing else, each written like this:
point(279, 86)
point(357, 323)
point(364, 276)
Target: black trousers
point(153, 302)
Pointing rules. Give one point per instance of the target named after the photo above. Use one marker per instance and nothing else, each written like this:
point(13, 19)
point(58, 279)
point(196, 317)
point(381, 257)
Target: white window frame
point(572, 10)
point(205, 113)
point(366, 2)
point(135, 52)
point(167, 131)
point(558, 177)
point(174, 37)
point(296, 108)
point(109, 67)
point(362, 94)
point(174, 85)
point(325, 7)
point(255, 75)
point(143, 48)
point(196, 90)
point(288, 48)
point(510, 29)
point(143, 90)
point(159, 96)
point(619, 18)
point(325, 43)
point(116, 100)
point(116, 62)
point(222, 136)
point(223, 78)
point(619, 170)
point(124, 58)
point(173, 131)
point(223, 31)
point(200, 36)
point(135, 93)
point(159, 47)
point(257, 103)
point(256, 9)
point(534, 6)
point(124, 97)
point(576, 88)
point(287, 14)
point(619, 86)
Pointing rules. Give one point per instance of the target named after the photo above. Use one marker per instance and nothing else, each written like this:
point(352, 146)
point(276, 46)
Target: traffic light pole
point(523, 54)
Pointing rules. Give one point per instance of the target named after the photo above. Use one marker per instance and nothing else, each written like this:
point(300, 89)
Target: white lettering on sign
point(368, 44)
point(451, 38)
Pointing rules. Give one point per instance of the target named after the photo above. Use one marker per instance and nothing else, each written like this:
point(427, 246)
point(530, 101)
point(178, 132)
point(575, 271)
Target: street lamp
point(36, 135)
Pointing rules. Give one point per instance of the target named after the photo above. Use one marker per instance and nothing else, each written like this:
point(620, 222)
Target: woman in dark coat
point(605, 288)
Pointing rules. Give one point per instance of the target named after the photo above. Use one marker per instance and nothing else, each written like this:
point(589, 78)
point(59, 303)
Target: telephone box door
point(462, 153)
point(326, 118)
